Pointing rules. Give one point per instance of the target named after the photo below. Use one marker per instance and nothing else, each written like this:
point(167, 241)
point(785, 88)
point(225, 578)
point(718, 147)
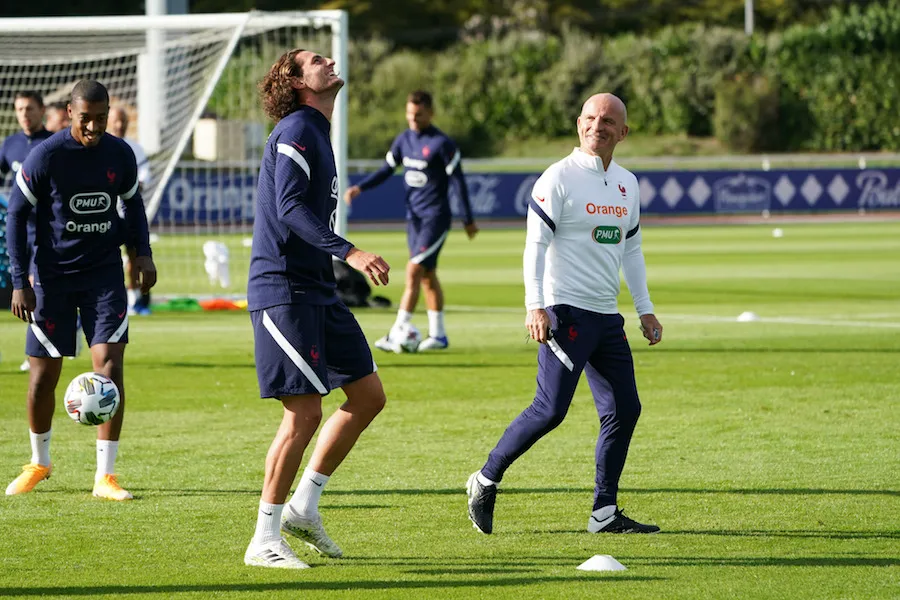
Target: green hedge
point(833, 86)
point(846, 74)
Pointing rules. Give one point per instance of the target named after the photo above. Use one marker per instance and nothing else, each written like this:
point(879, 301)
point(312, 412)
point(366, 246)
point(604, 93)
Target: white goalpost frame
point(336, 19)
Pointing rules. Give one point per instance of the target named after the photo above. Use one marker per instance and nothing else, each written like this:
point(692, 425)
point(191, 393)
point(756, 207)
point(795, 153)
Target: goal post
point(189, 86)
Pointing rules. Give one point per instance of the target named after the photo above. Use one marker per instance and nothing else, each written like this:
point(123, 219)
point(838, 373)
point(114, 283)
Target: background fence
point(205, 197)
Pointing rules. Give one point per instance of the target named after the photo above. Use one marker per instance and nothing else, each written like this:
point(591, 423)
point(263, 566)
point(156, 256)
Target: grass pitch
point(767, 451)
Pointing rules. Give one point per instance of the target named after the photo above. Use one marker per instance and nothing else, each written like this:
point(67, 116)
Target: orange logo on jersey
point(596, 209)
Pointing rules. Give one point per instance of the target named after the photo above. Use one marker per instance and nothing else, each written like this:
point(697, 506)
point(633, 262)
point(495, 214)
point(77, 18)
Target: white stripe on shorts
point(118, 333)
point(560, 354)
point(419, 258)
point(293, 354)
point(45, 341)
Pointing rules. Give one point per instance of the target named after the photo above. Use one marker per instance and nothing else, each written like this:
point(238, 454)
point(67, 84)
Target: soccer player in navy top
point(307, 342)
point(71, 182)
point(433, 168)
point(29, 107)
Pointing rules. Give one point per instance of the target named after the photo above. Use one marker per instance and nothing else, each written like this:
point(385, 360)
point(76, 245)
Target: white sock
point(40, 447)
point(484, 480)
point(436, 324)
point(106, 458)
point(605, 514)
point(403, 317)
point(132, 296)
point(268, 523)
point(305, 501)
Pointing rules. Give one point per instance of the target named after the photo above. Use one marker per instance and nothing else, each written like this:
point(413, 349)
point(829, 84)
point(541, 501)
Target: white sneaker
point(25, 366)
point(311, 532)
point(275, 554)
point(433, 343)
point(387, 345)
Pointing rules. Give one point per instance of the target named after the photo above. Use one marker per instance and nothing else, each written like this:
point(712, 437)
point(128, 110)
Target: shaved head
point(608, 100)
point(602, 125)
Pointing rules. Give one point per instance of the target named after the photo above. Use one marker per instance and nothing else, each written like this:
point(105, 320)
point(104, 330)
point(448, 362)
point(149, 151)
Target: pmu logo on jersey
point(415, 179)
point(607, 234)
point(90, 203)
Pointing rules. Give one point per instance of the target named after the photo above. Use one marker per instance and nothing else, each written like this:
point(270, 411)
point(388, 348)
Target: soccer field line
point(828, 321)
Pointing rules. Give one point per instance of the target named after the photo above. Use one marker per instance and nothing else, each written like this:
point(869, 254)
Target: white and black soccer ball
point(408, 338)
point(92, 399)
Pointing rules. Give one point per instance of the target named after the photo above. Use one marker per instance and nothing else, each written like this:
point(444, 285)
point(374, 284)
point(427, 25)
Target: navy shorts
point(426, 237)
point(308, 349)
point(104, 318)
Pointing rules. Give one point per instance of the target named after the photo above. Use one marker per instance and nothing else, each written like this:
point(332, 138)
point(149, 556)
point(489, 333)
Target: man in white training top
point(583, 227)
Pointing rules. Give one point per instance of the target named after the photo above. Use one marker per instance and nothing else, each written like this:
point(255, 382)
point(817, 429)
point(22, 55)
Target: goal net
point(188, 84)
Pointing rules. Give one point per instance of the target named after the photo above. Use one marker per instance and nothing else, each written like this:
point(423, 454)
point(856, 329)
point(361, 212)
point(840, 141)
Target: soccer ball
point(92, 399)
point(408, 338)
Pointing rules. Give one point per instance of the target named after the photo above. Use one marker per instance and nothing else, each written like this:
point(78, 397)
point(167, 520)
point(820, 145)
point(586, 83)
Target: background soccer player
point(138, 303)
point(586, 209)
point(56, 117)
point(307, 342)
point(432, 164)
point(29, 109)
point(71, 183)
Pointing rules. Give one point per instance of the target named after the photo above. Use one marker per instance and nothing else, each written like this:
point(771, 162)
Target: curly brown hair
point(278, 97)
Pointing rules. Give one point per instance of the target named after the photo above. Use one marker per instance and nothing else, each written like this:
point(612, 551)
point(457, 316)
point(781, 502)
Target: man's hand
point(352, 192)
point(651, 328)
point(371, 265)
point(537, 322)
point(471, 229)
point(23, 304)
point(146, 271)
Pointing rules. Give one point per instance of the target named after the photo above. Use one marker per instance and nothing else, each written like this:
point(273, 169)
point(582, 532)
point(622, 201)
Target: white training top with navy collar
point(583, 227)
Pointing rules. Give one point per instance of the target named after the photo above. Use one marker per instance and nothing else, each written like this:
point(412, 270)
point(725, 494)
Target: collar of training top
point(595, 163)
